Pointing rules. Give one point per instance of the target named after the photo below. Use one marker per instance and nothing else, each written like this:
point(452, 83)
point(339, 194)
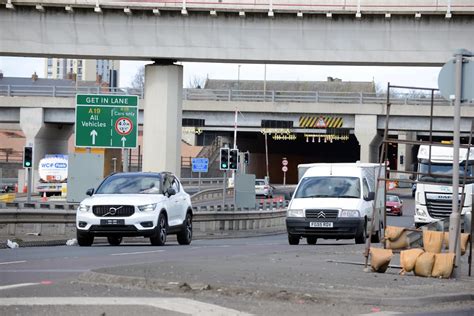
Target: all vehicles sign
point(109, 121)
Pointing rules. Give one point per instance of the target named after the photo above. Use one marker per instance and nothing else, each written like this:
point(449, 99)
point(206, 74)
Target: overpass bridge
point(359, 118)
point(349, 32)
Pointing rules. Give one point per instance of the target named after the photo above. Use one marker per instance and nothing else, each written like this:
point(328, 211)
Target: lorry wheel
point(293, 239)
point(361, 236)
point(376, 237)
point(84, 239)
point(114, 241)
point(311, 240)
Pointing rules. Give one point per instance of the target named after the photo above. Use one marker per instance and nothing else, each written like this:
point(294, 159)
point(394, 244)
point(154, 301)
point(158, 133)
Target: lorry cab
point(434, 191)
point(336, 201)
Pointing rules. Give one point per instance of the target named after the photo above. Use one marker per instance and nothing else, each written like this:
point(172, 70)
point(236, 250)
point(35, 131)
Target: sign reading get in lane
point(109, 121)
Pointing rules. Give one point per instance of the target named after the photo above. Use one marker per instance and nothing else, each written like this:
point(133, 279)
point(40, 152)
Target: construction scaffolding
point(414, 234)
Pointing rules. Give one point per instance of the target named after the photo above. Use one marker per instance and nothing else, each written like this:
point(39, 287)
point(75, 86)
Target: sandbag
point(443, 265)
point(424, 264)
point(380, 259)
point(396, 237)
point(408, 258)
point(432, 241)
point(464, 242)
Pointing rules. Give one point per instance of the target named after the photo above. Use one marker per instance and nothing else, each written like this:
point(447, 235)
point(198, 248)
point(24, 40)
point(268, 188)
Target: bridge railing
point(233, 95)
point(63, 91)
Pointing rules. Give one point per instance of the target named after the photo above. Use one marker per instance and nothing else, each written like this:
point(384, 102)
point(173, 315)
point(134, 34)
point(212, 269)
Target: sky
point(407, 76)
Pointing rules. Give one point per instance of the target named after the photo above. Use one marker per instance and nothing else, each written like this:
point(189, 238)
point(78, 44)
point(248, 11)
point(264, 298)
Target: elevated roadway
point(422, 32)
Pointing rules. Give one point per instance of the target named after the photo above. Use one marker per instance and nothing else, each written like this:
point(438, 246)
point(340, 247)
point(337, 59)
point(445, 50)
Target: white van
point(336, 201)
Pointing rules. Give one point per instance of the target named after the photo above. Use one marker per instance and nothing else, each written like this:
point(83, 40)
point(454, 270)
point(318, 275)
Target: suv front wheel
point(185, 236)
point(159, 237)
point(84, 239)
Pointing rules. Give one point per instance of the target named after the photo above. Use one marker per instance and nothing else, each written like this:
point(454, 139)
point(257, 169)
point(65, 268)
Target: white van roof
point(338, 169)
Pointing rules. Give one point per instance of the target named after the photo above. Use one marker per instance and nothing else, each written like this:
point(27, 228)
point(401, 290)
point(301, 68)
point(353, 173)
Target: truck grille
point(321, 214)
point(439, 205)
point(113, 210)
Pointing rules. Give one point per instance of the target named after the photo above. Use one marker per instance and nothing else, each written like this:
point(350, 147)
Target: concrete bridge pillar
point(369, 140)
point(405, 159)
point(162, 118)
point(45, 138)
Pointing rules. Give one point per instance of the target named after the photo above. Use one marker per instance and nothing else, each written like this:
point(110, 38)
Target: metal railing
point(233, 95)
point(63, 91)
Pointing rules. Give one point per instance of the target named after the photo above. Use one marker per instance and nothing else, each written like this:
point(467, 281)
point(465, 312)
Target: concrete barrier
point(62, 222)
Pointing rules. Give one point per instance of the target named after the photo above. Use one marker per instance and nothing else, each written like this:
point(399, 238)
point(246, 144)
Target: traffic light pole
point(28, 194)
point(224, 189)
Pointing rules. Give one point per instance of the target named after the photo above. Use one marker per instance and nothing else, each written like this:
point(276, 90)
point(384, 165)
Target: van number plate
point(321, 224)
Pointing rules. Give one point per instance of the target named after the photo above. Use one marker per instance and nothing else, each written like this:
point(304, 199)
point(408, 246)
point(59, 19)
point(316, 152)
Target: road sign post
point(460, 72)
point(108, 121)
point(199, 165)
point(284, 168)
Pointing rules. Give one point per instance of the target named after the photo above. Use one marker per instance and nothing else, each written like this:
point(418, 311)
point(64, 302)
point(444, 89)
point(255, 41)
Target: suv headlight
point(349, 213)
point(295, 213)
point(84, 208)
point(147, 207)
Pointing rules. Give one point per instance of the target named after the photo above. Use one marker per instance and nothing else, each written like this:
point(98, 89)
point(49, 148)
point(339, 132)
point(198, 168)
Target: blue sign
point(200, 164)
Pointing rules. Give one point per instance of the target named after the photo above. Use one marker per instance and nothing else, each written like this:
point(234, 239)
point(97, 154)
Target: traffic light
point(224, 159)
point(27, 157)
point(246, 158)
point(233, 159)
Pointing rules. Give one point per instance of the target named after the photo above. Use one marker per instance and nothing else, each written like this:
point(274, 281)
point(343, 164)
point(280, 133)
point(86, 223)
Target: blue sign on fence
point(200, 164)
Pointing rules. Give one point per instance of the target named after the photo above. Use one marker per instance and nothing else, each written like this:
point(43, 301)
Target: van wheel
point(311, 240)
point(361, 236)
point(114, 241)
point(293, 239)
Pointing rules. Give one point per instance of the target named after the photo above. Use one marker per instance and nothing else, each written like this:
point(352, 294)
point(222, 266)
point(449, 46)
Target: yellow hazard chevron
point(315, 121)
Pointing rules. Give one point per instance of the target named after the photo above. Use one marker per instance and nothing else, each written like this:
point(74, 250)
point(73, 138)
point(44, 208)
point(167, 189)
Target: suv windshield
point(329, 187)
point(259, 182)
point(131, 184)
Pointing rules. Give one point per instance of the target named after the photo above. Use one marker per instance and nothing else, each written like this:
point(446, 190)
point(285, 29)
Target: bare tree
point(197, 82)
point(139, 79)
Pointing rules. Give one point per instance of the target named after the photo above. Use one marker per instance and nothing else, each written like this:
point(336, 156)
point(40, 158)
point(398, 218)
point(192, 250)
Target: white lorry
point(434, 191)
point(336, 201)
point(52, 175)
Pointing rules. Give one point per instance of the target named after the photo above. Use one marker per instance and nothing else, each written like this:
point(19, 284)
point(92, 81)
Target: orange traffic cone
point(44, 198)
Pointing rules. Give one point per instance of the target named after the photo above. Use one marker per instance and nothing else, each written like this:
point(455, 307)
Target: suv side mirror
point(90, 192)
point(370, 196)
point(171, 191)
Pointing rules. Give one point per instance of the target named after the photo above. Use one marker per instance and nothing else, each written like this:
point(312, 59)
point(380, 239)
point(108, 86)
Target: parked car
point(145, 204)
point(262, 188)
point(394, 205)
point(7, 188)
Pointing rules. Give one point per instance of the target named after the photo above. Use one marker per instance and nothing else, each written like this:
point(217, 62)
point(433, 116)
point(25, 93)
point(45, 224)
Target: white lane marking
point(12, 262)
point(14, 286)
point(180, 305)
point(135, 253)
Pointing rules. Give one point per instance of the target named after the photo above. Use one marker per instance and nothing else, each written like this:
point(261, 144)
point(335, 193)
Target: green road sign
point(109, 121)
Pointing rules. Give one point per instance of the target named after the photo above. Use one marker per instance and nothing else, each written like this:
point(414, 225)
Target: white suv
point(147, 204)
